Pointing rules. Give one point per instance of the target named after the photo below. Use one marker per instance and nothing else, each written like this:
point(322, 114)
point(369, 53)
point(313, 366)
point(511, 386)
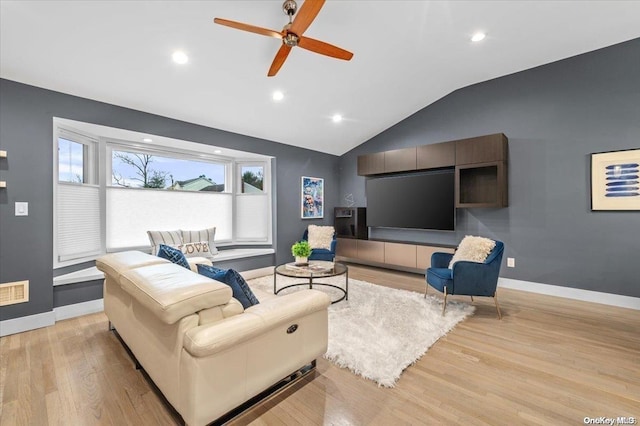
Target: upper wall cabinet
point(481, 149)
point(436, 155)
point(481, 172)
point(371, 164)
point(400, 160)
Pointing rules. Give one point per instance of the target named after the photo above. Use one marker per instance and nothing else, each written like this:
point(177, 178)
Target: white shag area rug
point(379, 331)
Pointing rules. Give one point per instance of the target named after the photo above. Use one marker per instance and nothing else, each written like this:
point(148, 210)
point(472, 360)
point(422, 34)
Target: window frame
point(91, 172)
point(266, 192)
point(252, 163)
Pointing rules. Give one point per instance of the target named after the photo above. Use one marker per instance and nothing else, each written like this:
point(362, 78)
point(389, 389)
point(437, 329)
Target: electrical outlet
point(511, 262)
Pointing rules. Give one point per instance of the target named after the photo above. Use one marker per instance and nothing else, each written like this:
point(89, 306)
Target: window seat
point(92, 273)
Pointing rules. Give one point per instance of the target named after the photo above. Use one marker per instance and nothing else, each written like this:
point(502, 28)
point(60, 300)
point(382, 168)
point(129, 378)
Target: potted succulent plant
point(301, 251)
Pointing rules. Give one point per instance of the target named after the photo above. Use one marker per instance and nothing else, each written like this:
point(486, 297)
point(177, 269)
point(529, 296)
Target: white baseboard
point(30, 322)
point(572, 293)
point(78, 309)
point(45, 319)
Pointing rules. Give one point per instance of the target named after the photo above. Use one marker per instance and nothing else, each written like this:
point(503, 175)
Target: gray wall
point(26, 133)
point(554, 116)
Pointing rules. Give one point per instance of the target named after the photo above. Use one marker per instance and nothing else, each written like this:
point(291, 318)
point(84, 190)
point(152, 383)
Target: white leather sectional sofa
point(205, 353)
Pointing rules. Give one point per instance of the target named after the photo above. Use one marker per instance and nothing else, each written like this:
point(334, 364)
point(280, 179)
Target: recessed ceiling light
point(336, 118)
point(478, 36)
point(179, 57)
point(218, 151)
point(147, 140)
point(278, 96)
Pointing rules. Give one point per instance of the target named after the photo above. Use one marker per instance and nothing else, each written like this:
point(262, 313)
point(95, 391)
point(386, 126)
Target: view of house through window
point(140, 170)
point(252, 179)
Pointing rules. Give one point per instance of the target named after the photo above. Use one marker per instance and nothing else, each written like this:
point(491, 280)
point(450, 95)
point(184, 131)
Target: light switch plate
point(22, 208)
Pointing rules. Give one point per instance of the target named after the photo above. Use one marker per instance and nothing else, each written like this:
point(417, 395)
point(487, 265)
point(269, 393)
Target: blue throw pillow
point(174, 255)
point(233, 279)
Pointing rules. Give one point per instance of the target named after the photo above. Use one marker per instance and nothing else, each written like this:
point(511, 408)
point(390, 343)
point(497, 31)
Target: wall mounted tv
point(413, 200)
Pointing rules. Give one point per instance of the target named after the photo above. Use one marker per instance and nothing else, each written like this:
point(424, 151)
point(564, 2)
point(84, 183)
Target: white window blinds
point(253, 217)
point(78, 221)
point(131, 212)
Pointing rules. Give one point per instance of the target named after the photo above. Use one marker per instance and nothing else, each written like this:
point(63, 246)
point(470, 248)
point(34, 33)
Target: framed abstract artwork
point(615, 180)
point(312, 198)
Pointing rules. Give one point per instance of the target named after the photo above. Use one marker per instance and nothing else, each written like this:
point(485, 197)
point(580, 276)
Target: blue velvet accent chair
point(322, 254)
point(466, 278)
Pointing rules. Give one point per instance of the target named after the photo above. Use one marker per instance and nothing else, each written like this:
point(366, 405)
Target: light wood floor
point(549, 361)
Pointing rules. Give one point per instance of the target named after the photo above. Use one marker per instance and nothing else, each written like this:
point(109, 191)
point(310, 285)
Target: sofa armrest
point(279, 311)
point(334, 242)
point(194, 261)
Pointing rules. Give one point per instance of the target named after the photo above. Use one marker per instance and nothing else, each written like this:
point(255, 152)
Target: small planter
point(301, 251)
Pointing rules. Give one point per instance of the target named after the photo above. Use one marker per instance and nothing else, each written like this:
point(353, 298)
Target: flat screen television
point(413, 200)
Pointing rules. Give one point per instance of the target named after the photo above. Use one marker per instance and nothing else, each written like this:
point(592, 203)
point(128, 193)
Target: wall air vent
point(15, 292)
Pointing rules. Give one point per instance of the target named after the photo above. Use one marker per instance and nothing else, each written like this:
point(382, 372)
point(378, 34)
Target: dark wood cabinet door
point(436, 155)
point(481, 149)
point(371, 164)
point(400, 160)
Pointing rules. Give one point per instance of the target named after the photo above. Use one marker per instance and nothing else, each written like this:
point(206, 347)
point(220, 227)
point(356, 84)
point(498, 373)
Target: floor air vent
point(15, 292)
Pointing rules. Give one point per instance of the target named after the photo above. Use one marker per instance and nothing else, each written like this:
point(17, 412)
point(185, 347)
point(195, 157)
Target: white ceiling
point(407, 55)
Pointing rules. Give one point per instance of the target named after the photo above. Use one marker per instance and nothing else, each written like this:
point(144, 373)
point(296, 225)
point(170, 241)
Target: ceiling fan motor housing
point(290, 39)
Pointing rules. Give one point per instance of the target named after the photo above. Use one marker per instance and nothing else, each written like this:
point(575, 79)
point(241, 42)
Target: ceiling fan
point(291, 34)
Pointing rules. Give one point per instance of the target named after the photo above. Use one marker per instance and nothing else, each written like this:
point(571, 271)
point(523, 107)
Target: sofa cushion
point(174, 255)
point(473, 249)
point(200, 235)
point(241, 290)
point(170, 238)
point(320, 237)
point(171, 292)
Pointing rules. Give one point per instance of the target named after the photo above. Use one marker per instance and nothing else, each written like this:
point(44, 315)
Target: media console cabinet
point(480, 167)
point(410, 257)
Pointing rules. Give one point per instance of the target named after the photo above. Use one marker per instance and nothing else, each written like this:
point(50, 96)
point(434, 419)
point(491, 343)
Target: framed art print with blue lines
point(615, 180)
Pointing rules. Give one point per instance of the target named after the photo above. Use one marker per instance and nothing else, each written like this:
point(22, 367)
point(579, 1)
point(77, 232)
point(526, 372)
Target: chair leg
point(495, 298)
point(425, 291)
point(444, 305)
point(471, 298)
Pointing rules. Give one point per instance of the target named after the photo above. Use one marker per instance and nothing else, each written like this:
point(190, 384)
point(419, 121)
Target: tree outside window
point(252, 179)
point(137, 170)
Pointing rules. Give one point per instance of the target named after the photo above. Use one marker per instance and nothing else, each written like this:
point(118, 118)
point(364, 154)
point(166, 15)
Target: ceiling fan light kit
point(291, 34)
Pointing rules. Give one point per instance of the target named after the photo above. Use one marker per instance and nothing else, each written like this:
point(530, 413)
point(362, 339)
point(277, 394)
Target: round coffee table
point(315, 270)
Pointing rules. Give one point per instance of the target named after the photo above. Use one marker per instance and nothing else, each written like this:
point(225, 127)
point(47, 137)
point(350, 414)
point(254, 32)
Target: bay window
point(107, 202)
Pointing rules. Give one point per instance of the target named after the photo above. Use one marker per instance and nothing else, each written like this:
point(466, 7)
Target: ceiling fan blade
point(247, 27)
point(305, 16)
point(281, 56)
point(324, 48)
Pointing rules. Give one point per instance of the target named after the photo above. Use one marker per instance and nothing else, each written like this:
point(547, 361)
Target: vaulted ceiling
point(407, 55)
